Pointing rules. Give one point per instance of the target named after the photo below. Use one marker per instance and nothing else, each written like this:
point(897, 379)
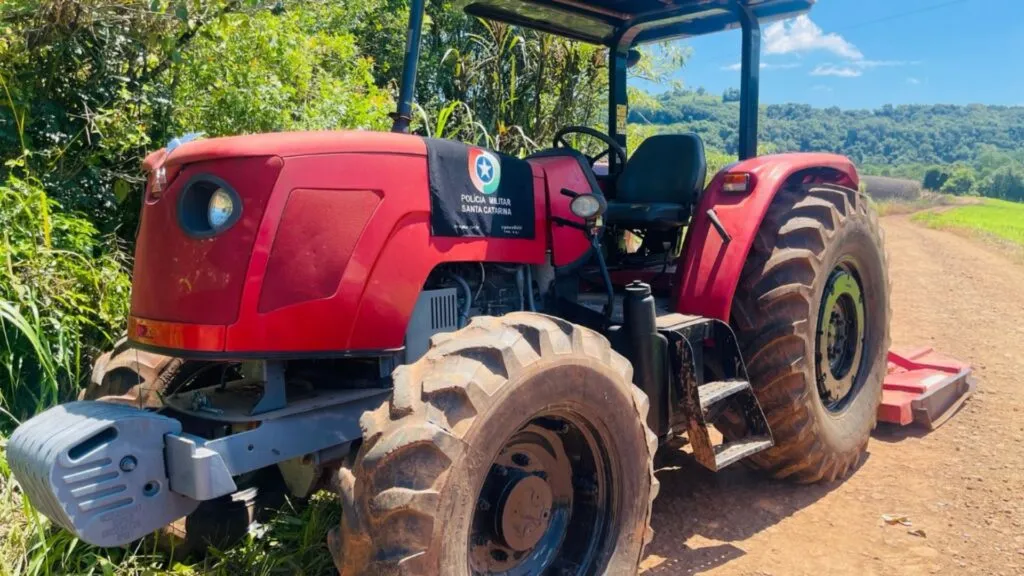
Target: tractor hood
point(188, 273)
point(285, 144)
point(320, 243)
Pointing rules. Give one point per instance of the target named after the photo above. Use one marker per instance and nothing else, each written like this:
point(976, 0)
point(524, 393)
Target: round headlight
point(222, 206)
point(586, 206)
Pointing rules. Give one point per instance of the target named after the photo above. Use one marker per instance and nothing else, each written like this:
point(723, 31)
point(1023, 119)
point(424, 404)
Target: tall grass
point(63, 297)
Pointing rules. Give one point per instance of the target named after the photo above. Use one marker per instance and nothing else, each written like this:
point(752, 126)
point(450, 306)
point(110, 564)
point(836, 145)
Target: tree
point(1006, 183)
point(961, 181)
point(91, 81)
point(985, 137)
point(269, 72)
point(935, 178)
point(731, 95)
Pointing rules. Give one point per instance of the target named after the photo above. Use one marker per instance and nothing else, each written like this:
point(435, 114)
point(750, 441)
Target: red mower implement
point(457, 340)
point(923, 387)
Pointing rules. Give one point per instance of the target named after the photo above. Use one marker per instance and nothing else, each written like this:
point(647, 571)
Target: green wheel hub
point(841, 323)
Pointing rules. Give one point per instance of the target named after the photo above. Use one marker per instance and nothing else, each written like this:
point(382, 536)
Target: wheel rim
point(539, 508)
point(841, 332)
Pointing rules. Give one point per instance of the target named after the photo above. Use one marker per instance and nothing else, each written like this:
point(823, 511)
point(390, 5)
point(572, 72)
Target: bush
point(1006, 183)
point(935, 178)
point(63, 297)
point(267, 72)
point(961, 182)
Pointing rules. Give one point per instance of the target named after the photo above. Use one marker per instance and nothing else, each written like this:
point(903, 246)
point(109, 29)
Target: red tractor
point(459, 341)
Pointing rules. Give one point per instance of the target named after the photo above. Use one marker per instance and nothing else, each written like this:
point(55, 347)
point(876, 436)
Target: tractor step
point(714, 392)
point(730, 452)
point(715, 398)
point(694, 338)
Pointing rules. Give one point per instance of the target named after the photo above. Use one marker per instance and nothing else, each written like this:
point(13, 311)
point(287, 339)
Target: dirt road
point(962, 484)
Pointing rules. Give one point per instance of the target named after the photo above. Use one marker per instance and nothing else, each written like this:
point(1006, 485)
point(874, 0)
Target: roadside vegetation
point(995, 219)
point(89, 87)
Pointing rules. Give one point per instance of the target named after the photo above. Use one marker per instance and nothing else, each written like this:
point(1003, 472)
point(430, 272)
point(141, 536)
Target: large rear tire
point(515, 445)
point(811, 313)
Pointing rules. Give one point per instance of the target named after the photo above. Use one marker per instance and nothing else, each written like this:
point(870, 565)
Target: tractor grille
point(436, 311)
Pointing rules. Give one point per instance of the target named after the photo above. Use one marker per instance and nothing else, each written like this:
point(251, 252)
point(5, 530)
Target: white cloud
point(764, 66)
point(913, 81)
point(803, 35)
point(833, 70)
point(883, 63)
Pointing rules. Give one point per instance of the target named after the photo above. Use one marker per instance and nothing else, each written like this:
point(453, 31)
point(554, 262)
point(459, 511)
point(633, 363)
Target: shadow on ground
point(699, 514)
point(892, 434)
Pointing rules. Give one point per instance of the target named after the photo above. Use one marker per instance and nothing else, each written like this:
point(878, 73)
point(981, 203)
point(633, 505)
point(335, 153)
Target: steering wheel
point(613, 146)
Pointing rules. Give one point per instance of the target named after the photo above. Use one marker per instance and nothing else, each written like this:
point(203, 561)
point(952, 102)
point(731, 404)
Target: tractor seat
point(660, 184)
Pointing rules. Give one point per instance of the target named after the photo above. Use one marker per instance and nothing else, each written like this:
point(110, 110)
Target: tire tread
point(388, 516)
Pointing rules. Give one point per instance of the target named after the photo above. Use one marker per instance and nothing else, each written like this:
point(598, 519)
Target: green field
point(998, 218)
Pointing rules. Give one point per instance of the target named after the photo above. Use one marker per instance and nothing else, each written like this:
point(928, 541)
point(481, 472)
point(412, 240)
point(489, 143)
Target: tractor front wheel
point(812, 316)
point(517, 445)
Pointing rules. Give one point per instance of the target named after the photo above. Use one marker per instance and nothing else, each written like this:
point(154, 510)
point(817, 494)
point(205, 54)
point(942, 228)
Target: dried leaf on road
point(893, 519)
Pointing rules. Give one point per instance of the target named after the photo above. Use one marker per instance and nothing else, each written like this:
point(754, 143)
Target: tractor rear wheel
point(516, 445)
point(812, 316)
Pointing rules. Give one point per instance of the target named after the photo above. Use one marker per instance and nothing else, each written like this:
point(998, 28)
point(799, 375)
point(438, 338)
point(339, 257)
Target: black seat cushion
point(660, 183)
point(665, 214)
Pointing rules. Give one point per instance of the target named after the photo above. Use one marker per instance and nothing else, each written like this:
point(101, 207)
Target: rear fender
point(710, 268)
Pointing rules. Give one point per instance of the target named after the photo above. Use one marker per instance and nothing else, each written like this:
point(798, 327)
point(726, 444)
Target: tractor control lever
point(718, 226)
point(566, 222)
point(592, 229)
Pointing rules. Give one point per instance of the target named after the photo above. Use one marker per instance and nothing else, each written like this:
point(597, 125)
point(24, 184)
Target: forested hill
point(891, 135)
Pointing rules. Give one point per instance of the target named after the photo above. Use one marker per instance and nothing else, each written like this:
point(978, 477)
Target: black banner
point(478, 193)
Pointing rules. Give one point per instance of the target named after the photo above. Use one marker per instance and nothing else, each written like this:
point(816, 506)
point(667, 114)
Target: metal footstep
point(715, 398)
point(708, 401)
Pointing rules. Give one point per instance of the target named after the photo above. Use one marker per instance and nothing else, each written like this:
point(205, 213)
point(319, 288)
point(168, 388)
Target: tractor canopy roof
point(623, 23)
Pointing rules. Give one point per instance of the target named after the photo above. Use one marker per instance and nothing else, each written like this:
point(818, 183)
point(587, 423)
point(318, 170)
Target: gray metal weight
point(98, 470)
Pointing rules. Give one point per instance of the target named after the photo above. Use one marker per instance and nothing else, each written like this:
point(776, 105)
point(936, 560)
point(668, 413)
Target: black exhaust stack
point(648, 351)
point(403, 116)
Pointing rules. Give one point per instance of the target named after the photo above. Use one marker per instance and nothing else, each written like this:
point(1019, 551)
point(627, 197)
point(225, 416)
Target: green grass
point(994, 218)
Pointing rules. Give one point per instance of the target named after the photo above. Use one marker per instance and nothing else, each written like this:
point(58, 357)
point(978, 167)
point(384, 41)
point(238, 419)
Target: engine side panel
point(390, 288)
point(709, 269)
point(313, 244)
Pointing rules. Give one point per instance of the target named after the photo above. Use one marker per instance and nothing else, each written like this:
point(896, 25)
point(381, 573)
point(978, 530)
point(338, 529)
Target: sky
point(867, 53)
